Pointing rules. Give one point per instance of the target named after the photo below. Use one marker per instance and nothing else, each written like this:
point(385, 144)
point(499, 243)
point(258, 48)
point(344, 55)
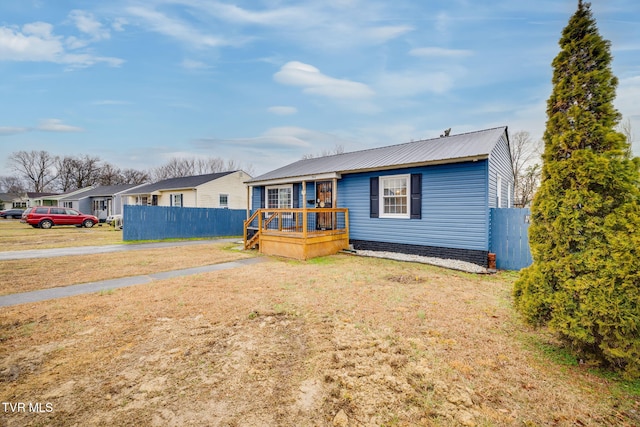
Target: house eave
point(338, 175)
point(300, 178)
point(420, 164)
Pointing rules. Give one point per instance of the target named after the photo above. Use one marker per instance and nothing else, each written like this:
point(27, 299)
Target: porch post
point(334, 193)
point(304, 210)
point(248, 201)
point(334, 202)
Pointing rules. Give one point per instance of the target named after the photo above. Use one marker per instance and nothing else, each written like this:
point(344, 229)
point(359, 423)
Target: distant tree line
point(41, 171)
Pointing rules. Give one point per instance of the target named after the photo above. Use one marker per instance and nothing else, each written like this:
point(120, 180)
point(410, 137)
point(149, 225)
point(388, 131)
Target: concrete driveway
point(86, 250)
point(84, 288)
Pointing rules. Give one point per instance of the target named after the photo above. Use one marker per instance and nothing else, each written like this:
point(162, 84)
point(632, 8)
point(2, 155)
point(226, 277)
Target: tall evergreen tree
point(584, 282)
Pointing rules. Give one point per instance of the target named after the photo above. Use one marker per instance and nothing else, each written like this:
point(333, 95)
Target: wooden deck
point(298, 233)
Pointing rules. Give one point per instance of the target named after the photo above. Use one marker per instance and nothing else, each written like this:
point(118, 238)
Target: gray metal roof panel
point(178, 183)
point(461, 146)
point(101, 191)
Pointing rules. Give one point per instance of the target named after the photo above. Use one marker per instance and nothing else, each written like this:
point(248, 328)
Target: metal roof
point(177, 183)
point(100, 191)
point(448, 149)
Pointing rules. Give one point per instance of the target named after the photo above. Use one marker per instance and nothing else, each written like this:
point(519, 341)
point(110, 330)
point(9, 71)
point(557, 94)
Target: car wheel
point(46, 224)
point(87, 223)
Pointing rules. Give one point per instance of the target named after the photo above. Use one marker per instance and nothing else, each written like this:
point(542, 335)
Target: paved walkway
point(86, 250)
point(67, 291)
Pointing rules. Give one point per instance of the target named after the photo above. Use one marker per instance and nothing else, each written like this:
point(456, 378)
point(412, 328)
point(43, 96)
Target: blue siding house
point(429, 197)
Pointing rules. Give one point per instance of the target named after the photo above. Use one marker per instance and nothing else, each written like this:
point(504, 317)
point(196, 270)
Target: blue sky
point(263, 82)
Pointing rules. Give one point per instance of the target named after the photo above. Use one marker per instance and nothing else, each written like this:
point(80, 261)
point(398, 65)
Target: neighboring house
point(430, 197)
point(7, 201)
point(216, 190)
point(101, 201)
point(32, 198)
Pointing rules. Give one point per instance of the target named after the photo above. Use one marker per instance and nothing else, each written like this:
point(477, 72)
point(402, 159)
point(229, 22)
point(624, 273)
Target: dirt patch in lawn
point(346, 342)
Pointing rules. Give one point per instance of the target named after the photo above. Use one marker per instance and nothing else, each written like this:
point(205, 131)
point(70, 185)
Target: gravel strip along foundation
point(440, 262)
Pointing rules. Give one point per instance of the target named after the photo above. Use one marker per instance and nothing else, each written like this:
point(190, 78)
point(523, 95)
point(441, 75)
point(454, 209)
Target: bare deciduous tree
point(110, 175)
point(12, 184)
point(627, 131)
point(65, 174)
point(338, 149)
point(77, 172)
point(35, 167)
point(179, 167)
point(134, 176)
point(525, 154)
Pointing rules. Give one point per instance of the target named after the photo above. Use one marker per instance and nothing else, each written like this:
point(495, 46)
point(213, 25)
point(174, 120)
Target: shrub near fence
point(163, 222)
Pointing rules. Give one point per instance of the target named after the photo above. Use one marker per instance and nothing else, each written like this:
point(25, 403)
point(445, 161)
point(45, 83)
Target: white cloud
point(382, 34)
point(415, 82)
point(8, 130)
point(233, 13)
point(440, 52)
point(86, 23)
point(36, 42)
point(191, 64)
point(443, 23)
point(314, 82)
point(283, 137)
point(282, 110)
point(56, 125)
point(118, 24)
point(335, 25)
point(178, 29)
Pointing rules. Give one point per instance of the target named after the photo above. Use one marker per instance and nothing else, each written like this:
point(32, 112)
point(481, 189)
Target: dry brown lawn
point(336, 341)
point(42, 273)
point(17, 236)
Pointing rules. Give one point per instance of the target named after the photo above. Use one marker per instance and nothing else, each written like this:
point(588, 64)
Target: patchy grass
point(17, 236)
point(370, 341)
point(43, 273)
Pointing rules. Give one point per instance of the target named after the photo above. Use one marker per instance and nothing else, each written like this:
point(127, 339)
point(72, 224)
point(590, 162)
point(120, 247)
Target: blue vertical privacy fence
point(162, 222)
point(510, 239)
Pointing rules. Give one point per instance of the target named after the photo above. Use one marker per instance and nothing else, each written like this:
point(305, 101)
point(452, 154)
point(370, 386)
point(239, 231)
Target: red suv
point(48, 216)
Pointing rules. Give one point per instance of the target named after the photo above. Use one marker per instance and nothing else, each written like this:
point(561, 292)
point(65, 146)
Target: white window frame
point(224, 205)
point(177, 200)
point(509, 195)
point(499, 191)
point(279, 187)
point(382, 180)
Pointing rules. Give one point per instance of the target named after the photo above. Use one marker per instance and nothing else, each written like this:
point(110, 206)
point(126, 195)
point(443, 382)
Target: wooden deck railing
point(300, 223)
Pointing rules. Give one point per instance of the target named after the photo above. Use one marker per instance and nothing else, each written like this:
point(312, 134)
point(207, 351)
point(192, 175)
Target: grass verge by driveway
point(44, 273)
point(340, 340)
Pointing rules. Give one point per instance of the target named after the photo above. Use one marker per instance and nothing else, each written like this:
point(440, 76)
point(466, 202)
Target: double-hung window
point(394, 200)
point(176, 200)
point(280, 197)
point(224, 201)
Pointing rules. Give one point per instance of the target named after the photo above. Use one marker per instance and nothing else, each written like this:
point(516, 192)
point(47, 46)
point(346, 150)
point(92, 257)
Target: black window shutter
point(262, 197)
point(374, 200)
point(296, 196)
point(416, 196)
